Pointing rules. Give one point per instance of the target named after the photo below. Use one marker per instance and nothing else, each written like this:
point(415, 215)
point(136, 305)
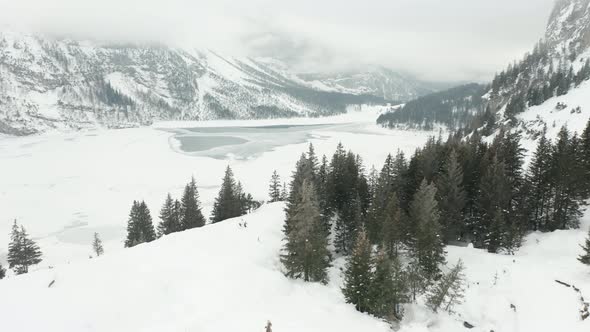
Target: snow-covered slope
point(377, 81)
point(47, 83)
point(226, 277)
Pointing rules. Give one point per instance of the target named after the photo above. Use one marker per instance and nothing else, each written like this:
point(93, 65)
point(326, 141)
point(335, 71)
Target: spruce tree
point(170, 217)
point(388, 291)
point(274, 190)
point(190, 210)
point(302, 172)
point(584, 258)
point(140, 228)
point(348, 222)
point(427, 246)
point(358, 275)
point(228, 202)
point(392, 233)
point(22, 251)
point(2, 272)
point(305, 254)
point(97, 245)
point(448, 291)
point(451, 199)
point(538, 180)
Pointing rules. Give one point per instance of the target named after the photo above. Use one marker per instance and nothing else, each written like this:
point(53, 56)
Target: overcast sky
point(433, 39)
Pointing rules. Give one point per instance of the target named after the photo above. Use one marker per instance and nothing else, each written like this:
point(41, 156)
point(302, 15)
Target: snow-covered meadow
point(63, 187)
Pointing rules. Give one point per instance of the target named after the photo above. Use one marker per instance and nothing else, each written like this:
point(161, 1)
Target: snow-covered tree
point(97, 245)
point(448, 291)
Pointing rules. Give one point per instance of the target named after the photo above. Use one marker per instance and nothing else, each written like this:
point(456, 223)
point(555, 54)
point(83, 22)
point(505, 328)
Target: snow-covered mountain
point(47, 83)
point(377, 81)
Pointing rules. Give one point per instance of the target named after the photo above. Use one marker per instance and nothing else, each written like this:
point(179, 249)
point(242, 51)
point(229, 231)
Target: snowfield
point(226, 277)
point(63, 187)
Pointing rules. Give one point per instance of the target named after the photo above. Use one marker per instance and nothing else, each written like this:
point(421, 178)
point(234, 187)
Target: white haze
point(433, 39)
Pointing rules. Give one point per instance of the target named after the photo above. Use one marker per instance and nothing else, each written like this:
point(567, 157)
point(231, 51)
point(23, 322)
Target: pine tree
point(227, 204)
point(284, 192)
point(2, 272)
point(305, 254)
point(191, 215)
point(451, 199)
point(585, 156)
point(388, 291)
point(392, 233)
point(448, 291)
point(274, 190)
point(427, 247)
point(97, 245)
point(585, 257)
point(140, 228)
point(22, 251)
point(358, 275)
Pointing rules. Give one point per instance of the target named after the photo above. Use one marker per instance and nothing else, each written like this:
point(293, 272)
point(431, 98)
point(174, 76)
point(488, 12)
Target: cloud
point(433, 39)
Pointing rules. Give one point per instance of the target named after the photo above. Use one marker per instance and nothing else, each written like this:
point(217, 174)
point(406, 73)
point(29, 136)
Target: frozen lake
point(63, 187)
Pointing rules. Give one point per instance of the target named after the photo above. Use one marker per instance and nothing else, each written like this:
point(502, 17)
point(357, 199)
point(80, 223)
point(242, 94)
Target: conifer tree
point(22, 251)
point(302, 172)
point(170, 217)
point(358, 275)
point(585, 156)
point(228, 203)
point(348, 222)
point(140, 228)
point(427, 246)
point(392, 232)
point(451, 199)
point(274, 190)
point(539, 183)
point(305, 254)
point(389, 290)
point(191, 215)
point(97, 245)
point(284, 192)
point(584, 258)
point(448, 291)
point(2, 272)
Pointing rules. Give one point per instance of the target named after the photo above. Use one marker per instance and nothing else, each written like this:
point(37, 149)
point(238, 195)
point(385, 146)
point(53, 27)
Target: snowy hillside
point(47, 83)
point(226, 277)
point(377, 81)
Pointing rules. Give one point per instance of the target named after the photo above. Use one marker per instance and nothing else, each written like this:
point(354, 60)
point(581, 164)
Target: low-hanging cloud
point(432, 39)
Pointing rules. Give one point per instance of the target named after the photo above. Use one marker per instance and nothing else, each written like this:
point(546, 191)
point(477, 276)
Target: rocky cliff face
point(47, 83)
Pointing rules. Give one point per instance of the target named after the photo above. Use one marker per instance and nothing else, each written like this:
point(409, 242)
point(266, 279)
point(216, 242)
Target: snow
point(223, 277)
point(536, 117)
point(63, 187)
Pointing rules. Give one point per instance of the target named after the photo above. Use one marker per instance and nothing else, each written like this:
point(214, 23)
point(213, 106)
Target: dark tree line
point(454, 191)
point(396, 209)
point(186, 213)
point(454, 108)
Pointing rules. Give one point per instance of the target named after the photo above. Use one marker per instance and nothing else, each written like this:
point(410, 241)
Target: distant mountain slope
point(377, 81)
point(46, 83)
point(453, 107)
point(558, 64)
